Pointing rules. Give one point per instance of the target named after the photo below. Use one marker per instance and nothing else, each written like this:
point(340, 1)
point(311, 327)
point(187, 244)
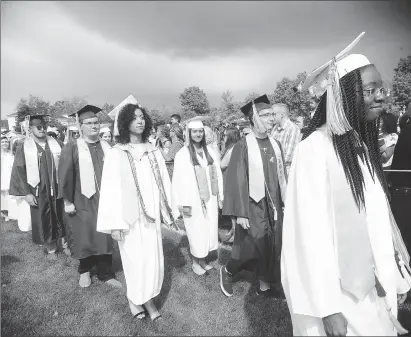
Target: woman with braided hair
point(340, 242)
point(132, 207)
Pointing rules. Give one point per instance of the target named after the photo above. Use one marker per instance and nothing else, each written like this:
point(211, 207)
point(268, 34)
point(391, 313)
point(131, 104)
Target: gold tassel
point(397, 325)
point(382, 293)
point(404, 272)
point(337, 123)
point(78, 125)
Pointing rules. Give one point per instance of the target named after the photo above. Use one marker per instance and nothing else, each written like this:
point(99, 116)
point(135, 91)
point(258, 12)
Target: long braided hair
point(355, 143)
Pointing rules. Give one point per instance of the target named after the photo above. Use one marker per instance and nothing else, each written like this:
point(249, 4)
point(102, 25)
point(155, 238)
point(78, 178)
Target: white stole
point(256, 181)
point(87, 175)
point(32, 159)
point(353, 245)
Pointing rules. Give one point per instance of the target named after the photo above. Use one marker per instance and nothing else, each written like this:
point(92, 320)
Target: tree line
point(194, 101)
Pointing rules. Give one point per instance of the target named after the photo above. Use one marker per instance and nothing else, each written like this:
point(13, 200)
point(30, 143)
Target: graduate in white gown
point(135, 191)
point(6, 166)
point(197, 193)
point(340, 241)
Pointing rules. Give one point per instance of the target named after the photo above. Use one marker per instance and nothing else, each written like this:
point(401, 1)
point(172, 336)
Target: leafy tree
point(159, 117)
point(103, 114)
point(229, 109)
point(194, 99)
point(297, 101)
point(251, 97)
point(34, 105)
point(401, 83)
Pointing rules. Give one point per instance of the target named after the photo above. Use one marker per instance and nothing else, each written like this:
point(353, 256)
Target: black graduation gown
point(400, 198)
point(84, 240)
point(46, 218)
point(261, 243)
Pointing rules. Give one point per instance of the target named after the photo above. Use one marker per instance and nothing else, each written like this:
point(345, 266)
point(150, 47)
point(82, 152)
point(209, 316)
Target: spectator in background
point(175, 119)
point(106, 135)
point(166, 143)
point(177, 142)
point(285, 131)
point(405, 117)
point(390, 138)
point(231, 137)
point(300, 122)
point(313, 105)
point(211, 140)
point(401, 181)
point(153, 136)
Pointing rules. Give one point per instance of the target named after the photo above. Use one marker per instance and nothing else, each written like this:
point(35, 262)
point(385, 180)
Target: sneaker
point(226, 282)
point(85, 280)
point(114, 283)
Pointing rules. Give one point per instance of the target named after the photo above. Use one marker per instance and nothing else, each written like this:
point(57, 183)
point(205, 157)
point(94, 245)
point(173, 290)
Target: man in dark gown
point(401, 181)
point(34, 177)
point(80, 171)
point(254, 194)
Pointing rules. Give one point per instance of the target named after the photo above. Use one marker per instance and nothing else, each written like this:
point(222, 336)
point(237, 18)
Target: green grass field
point(41, 296)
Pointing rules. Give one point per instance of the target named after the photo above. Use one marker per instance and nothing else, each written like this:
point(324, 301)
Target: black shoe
point(226, 282)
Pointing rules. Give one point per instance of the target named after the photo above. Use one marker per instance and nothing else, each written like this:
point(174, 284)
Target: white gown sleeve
point(110, 211)
point(308, 263)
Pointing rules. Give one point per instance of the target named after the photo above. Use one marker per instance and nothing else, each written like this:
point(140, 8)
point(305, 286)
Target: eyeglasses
point(375, 91)
point(269, 114)
point(92, 123)
point(40, 127)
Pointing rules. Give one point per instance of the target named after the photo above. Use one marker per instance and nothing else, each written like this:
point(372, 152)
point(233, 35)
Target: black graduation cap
point(261, 103)
point(85, 112)
point(39, 116)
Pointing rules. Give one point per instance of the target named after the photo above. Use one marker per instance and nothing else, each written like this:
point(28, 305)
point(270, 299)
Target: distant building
point(11, 119)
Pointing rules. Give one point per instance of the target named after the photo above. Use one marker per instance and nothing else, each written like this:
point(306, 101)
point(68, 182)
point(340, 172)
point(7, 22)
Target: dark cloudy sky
point(104, 51)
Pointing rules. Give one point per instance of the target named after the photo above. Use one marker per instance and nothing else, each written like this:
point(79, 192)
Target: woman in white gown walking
point(197, 191)
point(135, 190)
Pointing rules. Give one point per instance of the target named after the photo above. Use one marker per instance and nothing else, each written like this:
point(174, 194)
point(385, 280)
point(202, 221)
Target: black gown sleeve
point(66, 173)
point(236, 193)
point(18, 180)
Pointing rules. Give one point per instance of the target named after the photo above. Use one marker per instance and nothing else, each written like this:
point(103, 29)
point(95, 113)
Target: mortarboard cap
point(316, 81)
point(261, 103)
point(85, 112)
point(39, 116)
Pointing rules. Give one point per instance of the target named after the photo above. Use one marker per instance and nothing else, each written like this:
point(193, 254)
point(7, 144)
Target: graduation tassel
point(404, 272)
point(382, 294)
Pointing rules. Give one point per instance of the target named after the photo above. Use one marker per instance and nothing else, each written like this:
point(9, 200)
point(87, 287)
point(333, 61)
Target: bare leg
point(196, 266)
point(152, 310)
point(204, 265)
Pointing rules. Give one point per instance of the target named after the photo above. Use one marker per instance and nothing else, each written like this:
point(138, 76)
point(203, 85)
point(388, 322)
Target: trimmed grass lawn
point(41, 296)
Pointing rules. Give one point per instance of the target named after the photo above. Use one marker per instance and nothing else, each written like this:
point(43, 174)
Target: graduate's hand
point(31, 200)
point(335, 325)
point(243, 222)
point(69, 208)
point(401, 298)
point(117, 235)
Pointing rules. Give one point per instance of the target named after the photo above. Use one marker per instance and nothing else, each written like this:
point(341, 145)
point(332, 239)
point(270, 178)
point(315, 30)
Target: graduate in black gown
point(80, 171)
point(34, 176)
point(254, 196)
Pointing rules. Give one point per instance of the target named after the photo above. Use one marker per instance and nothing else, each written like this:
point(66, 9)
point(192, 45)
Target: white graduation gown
point(141, 249)
point(6, 166)
point(308, 262)
point(202, 231)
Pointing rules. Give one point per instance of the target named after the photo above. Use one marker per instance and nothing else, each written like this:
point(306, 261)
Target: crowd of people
point(311, 212)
